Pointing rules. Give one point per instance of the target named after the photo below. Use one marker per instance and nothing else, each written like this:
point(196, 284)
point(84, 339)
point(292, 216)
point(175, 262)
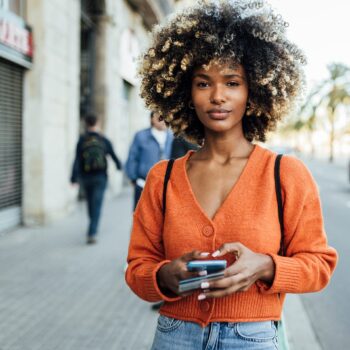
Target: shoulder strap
point(166, 180)
point(279, 200)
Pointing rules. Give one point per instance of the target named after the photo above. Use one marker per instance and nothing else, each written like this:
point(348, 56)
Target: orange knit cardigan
point(248, 215)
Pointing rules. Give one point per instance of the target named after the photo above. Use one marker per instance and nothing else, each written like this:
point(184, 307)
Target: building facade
point(16, 54)
point(59, 60)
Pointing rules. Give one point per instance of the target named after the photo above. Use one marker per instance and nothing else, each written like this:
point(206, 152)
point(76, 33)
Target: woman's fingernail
point(202, 273)
point(201, 296)
point(204, 285)
point(204, 254)
point(215, 253)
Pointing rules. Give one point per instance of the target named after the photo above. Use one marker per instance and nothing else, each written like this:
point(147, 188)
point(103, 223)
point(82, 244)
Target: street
point(329, 310)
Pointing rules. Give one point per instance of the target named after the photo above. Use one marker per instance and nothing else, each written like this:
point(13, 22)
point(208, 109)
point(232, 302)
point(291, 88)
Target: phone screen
point(209, 265)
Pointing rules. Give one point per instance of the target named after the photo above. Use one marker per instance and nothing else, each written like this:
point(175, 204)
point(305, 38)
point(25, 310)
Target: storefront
point(16, 54)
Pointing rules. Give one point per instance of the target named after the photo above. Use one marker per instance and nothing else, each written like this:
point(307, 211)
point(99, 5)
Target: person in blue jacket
point(148, 147)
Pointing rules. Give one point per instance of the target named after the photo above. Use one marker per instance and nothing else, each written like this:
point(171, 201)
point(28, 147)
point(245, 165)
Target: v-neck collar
point(244, 174)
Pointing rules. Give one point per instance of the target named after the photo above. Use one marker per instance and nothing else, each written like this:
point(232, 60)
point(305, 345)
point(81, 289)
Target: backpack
point(93, 154)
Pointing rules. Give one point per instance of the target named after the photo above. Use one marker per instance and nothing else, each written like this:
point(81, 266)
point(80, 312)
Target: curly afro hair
point(238, 31)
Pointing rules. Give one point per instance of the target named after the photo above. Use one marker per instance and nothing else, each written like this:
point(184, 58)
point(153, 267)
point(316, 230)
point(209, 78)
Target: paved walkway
point(57, 293)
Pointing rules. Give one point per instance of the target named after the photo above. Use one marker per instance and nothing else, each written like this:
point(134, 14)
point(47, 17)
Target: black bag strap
point(166, 180)
point(279, 200)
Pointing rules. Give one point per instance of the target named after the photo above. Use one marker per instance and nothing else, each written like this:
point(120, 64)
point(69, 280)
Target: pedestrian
point(222, 74)
point(148, 147)
point(181, 146)
point(90, 169)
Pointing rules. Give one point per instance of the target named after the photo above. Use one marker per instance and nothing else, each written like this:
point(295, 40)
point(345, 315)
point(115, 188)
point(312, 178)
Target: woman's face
point(219, 96)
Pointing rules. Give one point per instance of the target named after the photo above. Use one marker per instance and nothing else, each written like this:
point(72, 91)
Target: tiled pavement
point(57, 293)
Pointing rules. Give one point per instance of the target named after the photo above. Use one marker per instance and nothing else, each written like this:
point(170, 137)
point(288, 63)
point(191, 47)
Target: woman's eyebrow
point(227, 76)
point(234, 76)
point(201, 75)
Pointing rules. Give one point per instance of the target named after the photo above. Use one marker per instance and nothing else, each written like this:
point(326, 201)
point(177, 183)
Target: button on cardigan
point(248, 215)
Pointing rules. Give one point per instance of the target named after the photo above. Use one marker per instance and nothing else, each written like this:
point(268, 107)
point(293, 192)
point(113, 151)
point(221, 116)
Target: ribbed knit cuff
point(287, 276)
point(152, 289)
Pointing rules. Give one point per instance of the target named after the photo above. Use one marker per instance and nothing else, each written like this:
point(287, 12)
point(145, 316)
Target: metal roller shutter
point(11, 85)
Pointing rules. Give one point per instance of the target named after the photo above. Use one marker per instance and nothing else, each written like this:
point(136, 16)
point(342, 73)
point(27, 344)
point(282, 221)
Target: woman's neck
point(223, 148)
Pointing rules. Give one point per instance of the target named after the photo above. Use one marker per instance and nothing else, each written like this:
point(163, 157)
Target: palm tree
point(308, 112)
point(306, 117)
point(337, 94)
point(331, 93)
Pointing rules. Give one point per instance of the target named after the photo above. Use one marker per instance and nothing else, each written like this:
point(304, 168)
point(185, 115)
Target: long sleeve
point(132, 162)
point(309, 261)
point(146, 250)
point(111, 152)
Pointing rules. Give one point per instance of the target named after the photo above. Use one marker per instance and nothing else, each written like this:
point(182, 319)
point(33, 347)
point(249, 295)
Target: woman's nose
point(217, 95)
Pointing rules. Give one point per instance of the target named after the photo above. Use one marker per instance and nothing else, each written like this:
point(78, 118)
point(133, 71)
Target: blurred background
point(60, 59)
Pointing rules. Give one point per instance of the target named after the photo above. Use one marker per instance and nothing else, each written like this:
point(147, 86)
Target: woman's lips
point(218, 115)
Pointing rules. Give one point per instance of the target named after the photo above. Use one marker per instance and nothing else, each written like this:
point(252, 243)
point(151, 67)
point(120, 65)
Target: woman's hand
point(170, 274)
point(246, 270)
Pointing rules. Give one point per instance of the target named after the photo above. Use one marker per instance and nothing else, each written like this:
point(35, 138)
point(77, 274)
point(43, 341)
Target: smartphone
point(210, 266)
point(195, 283)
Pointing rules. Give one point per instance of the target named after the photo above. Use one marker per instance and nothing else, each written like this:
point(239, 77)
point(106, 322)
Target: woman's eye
point(232, 83)
point(202, 84)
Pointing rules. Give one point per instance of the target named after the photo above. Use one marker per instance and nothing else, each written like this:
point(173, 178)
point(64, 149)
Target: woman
point(223, 74)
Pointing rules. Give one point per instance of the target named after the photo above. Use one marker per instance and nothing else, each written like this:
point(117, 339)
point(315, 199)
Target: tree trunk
point(331, 136)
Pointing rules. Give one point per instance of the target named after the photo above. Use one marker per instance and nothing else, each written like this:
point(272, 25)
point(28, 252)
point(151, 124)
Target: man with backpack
point(90, 168)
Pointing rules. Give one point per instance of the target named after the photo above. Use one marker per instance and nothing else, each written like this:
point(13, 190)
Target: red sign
point(17, 37)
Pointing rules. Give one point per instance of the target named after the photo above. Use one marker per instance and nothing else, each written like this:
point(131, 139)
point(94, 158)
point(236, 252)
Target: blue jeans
point(94, 187)
point(173, 334)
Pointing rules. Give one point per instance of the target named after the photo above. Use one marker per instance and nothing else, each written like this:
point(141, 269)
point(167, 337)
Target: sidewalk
point(57, 293)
